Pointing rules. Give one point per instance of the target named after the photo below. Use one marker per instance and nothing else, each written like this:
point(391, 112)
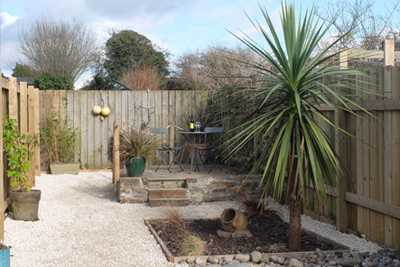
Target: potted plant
point(137, 146)
point(18, 149)
point(60, 141)
point(4, 255)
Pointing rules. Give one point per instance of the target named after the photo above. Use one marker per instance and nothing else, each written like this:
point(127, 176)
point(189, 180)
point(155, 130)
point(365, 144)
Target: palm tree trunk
point(295, 225)
point(295, 205)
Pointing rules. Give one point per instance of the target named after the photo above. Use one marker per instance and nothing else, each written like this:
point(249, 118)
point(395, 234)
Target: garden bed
point(269, 236)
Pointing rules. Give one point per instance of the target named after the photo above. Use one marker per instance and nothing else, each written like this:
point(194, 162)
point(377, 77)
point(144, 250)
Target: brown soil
point(270, 236)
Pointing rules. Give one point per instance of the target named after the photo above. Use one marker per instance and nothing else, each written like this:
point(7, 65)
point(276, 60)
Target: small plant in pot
point(19, 149)
point(137, 146)
point(4, 255)
point(59, 142)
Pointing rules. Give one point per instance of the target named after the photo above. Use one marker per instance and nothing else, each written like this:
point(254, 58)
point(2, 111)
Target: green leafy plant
point(59, 140)
point(46, 81)
point(137, 144)
point(18, 148)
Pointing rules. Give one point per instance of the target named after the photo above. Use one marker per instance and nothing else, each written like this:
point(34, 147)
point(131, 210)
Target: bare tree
point(142, 78)
point(367, 27)
point(216, 67)
point(58, 47)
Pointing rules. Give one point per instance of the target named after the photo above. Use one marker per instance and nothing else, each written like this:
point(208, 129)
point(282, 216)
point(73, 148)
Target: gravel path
point(82, 224)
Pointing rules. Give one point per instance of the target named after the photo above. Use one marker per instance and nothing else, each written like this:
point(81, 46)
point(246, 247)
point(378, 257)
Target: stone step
point(167, 193)
point(173, 202)
point(158, 183)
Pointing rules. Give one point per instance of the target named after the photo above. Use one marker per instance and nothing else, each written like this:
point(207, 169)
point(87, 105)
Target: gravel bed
point(82, 224)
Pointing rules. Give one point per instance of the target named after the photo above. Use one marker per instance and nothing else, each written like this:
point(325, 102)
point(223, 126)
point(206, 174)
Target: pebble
point(384, 258)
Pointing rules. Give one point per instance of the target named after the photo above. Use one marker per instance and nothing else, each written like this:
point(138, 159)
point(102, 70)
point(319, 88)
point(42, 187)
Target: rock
point(213, 259)
point(242, 264)
point(265, 258)
point(354, 252)
point(190, 259)
point(350, 262)
point(255, 256)
point(332, 263)
point(294, 263)
point(227, 259)
point(243, 233)
point(199, 260)
point(242, 257)
point(277, 259)
point(224, 234)
point(319, 253)
point(181, 264)
point(369, 264)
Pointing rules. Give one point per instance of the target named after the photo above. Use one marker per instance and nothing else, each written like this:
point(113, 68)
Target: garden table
point(191, 138)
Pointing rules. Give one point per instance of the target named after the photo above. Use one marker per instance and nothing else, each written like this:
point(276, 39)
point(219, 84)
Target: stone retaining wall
point(199, 189)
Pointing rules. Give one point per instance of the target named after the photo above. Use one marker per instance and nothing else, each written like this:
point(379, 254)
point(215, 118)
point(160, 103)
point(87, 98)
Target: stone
point(190, 259)
point(181, 264)
point(227, 259)
point(332, 263)
point(265, 258)
point(255, 256)
point(350, 262)
point(319, 253)
point(243, 264)
point(224, 234)
point(199, 260)
point(277, 259)
point(130, 182)
point(294, 263)
point(215, 197)
point(354, 252)
point(226, 183)
point(218, 190)
point(213, 259)
point(133, 200)
point(242, 257)
point(242, 233)
point(370, 264)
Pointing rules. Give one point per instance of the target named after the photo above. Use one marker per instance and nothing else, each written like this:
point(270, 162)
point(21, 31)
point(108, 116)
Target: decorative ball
point(105, 111)
point(96, 110)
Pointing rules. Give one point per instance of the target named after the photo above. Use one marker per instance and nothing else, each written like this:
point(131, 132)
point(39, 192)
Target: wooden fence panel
point(21, 103)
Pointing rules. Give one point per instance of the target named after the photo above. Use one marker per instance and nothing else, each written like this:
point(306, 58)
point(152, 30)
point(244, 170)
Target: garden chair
point(213, 148)
point(163, 151)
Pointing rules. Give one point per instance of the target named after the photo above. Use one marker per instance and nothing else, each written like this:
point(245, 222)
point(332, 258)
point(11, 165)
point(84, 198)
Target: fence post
point(116, 155)
point(2, 196)
point(341, 147)
point(171, 140)
point(388, 51)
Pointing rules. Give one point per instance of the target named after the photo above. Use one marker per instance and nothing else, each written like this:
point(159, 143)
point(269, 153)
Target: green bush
point(46, 81)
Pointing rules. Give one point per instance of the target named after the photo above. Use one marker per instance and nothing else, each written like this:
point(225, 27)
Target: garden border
point(298, 254)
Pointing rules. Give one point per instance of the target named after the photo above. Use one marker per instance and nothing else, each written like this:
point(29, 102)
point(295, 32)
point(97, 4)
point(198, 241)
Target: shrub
point(192, 245)
point(46, 81)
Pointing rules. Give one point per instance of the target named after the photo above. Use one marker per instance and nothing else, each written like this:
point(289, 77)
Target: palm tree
point(295, 149)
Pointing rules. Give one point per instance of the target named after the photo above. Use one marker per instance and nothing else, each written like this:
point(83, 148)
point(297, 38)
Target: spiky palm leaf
point(285, 107)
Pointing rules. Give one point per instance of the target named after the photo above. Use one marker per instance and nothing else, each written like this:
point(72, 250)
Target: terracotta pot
point(233, 220)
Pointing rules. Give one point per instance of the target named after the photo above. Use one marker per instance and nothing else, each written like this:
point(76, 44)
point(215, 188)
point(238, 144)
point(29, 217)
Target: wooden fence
point(126, 106)
point(21, 103)
point(368, 199)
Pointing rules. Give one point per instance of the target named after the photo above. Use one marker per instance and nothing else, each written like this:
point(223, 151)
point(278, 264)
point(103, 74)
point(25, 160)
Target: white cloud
point(6, 19)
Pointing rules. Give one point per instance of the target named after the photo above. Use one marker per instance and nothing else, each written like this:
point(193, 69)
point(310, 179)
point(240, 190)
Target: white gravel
point(82, 224)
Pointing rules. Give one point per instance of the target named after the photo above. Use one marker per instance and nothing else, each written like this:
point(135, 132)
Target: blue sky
point(176, 25)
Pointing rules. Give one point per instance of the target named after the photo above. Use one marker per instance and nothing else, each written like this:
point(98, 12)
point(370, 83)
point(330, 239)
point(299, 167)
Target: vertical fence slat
point(84, 132)
point(97, 130)
point(2, 178)
point(90, 129)
point(13, 99)
point(115, 154)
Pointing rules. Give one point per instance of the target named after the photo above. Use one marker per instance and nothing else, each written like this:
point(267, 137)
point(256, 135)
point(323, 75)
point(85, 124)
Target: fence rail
point(21, 103)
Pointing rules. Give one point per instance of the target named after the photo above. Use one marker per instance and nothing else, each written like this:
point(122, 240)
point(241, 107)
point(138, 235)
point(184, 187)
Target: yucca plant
point(137, 144)
point(283, 109)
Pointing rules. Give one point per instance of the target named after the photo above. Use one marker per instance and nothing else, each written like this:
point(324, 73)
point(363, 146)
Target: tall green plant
point(285, 107)
point(137, 144)
point(19, 149)
point(59, 140)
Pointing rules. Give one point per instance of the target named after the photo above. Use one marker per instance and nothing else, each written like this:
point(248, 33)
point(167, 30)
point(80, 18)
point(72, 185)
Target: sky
point(176, 25)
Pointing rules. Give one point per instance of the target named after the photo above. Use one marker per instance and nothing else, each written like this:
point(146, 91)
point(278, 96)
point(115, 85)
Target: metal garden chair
point(213, 148)
point(163, 151)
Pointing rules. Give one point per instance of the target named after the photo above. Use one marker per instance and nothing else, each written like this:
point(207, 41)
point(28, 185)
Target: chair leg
point(201, 161)
point(175, 159)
